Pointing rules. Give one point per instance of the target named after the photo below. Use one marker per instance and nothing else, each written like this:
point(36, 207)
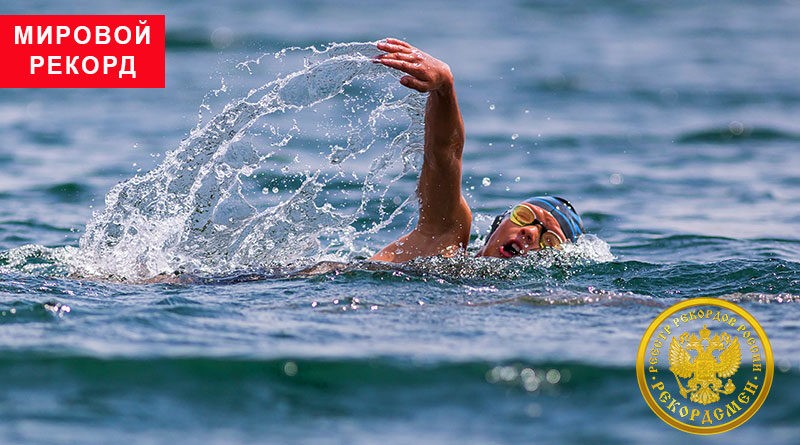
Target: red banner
point(82, 51)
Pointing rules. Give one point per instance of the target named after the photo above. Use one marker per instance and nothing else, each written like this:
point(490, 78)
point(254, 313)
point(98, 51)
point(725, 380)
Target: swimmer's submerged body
point(445, 218)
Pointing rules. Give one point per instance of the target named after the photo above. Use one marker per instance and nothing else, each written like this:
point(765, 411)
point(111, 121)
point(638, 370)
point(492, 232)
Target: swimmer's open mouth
point(510, 249)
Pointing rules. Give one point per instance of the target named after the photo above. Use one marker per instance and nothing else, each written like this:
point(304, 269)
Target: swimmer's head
point(536, 223)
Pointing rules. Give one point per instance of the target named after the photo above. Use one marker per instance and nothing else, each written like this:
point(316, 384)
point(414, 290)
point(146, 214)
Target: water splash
point(296, 172)
point(199, 209)
point(588, 249)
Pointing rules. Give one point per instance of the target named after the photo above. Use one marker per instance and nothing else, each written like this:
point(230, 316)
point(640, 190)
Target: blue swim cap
point(568, 219)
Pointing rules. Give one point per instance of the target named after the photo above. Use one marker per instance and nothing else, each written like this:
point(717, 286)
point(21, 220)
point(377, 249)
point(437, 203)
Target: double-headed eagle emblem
point(705, 370)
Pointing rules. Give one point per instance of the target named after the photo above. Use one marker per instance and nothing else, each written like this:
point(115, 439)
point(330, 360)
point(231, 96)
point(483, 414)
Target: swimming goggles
point(522, 216)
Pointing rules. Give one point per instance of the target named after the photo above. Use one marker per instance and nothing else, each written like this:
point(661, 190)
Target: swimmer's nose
point(529, 233)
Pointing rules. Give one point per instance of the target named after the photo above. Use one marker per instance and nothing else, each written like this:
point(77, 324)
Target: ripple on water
point(68, 192)
point(22, 311)
point(735, 132)
point(760, 297)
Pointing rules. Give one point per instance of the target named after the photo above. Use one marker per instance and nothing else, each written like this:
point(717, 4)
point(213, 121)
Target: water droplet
point(290, 368)
point(552, 376)
point(736, 128)
point(616, 179)
point(527, 373)
point(491, 107)
point(531, 385)
point(514, 136)
point(534, 410)
point(517, 179)
point(508, 373)
point(275, 190)
point(486, 182)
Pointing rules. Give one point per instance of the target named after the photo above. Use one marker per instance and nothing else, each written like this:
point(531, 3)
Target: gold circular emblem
point(704, 366)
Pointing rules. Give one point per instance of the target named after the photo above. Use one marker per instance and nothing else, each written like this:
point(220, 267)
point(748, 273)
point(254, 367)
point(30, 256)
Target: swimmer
point(444, 221)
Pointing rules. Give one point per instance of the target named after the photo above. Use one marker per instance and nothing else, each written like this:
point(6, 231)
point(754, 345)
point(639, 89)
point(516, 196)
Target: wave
point(163, 372)
point(69, 192)
point(736, 132)
point(338, 375)
point(771, 280)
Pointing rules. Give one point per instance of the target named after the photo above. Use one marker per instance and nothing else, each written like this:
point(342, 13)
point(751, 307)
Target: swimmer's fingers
point(399, 50)
point(394, 41)
point(414, 69)
point(393, 49)
point(394, 45)
point(414, 83)
point(408, 57)
point(425, 73)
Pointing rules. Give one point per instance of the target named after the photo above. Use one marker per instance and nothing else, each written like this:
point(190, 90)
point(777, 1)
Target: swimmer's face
point(510, 239)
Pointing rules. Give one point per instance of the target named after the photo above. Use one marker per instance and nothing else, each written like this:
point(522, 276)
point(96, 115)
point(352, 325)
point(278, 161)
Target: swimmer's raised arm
point(444, 216)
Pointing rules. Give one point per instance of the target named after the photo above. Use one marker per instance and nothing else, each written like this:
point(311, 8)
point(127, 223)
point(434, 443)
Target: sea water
point(275, 162)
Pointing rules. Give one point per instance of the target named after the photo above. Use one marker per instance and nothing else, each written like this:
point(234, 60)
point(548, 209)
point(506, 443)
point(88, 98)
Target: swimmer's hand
point(425, 72)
